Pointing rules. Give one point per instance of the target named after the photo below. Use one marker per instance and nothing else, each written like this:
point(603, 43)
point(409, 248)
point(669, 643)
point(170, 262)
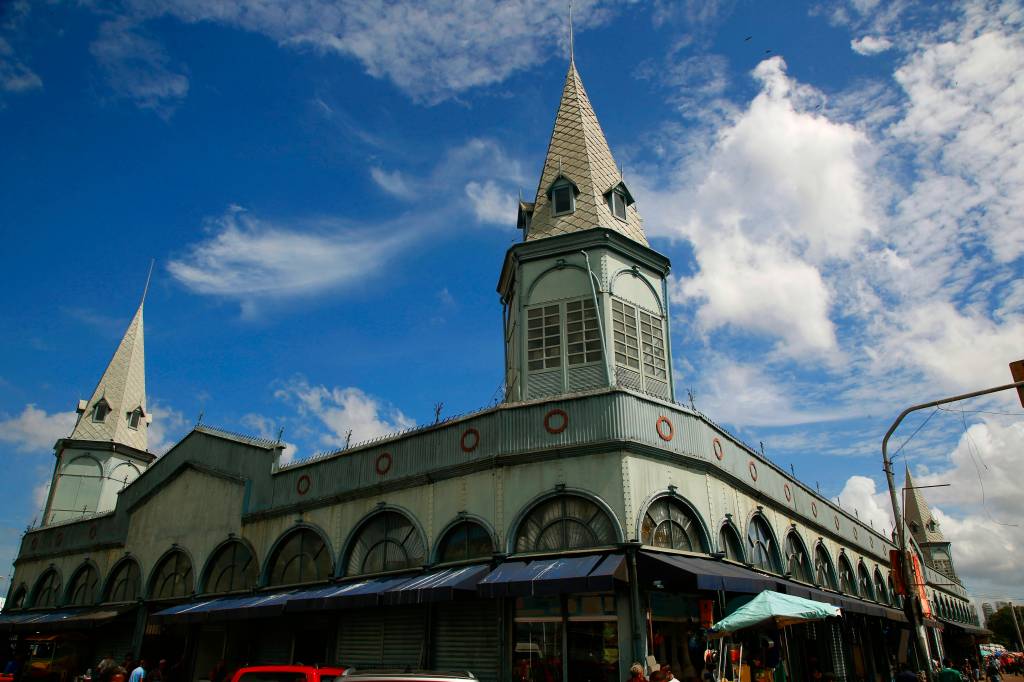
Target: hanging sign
point(707, 612)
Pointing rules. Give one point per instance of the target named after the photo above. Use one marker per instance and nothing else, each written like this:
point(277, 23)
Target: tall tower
point(926, 532)
point(585, 297)
point(107, 448)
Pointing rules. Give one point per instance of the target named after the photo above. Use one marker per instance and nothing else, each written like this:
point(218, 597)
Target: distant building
point(987, 610)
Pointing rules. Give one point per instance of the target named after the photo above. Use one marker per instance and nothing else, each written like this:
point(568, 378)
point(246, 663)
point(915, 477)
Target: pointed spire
point(579, 152)
point(918, 515)
point(122, 389)
point(572, 47)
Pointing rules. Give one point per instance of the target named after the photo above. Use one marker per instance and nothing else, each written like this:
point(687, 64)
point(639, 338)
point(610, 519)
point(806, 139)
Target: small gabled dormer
point(100, 411)
point(525, 216)
point(136, 417)
point(619, 199)
point(562, 193)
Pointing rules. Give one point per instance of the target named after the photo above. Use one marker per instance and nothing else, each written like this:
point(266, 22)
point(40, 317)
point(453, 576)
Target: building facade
point(585, 522)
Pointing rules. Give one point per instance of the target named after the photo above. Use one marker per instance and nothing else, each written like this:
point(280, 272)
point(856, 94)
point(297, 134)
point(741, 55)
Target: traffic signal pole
point(906, 562)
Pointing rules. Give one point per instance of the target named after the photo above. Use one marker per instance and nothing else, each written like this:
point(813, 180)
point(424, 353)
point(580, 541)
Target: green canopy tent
point(781, 609)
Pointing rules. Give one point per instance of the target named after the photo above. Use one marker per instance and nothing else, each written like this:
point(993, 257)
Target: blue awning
point(710, 574)
point(553, 576)
point(61, 619)
point(346, 596)
point(446, 584)
point(227, 608)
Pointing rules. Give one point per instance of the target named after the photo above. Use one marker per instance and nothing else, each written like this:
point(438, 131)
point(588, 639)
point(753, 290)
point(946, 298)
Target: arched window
point(388, 541)
point(761, 546)
point(866, 589)
point(124, 583)
point(671, 524)
point(17, 600)
point(301, 557)
point(880, 590)
point(134, 417)
point(897, 599)
point(824, 571)
point(124, 474)
point(797, 563)
point(47, 590)
point(82, 589)
point(729, 542)
point(564, 522)
point(463, 541)
point(847, 578)
point(172, 577)
point(232, 568)
point(78, 489)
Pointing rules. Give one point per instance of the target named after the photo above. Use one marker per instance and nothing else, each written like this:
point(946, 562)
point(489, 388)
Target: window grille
point(232, 568)
point(797, 556)
point(639, 335)
point(543, 337)
point(465, 540)
point(847, 579)
point(47, 590)
point(866, 589)
point(582, 336)
point(387, 542)
point(670, 524)
point(82, 591)
point(761, 547)
point(564, 522)
point(729, 542)
point(173, 577)
point(125, 583)
point(825, 573)
point(302, 557)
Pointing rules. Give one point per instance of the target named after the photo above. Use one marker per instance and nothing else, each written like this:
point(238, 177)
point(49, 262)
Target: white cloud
point(394, 183)
point(34, 430)
point(167, 428)
point(253, 261)
point(39, 494)
point(490, 203)
point(344, 409)
point(268, 428)
point(872, 506)
point(870, 45)
point(15, 76)
point(138, 68)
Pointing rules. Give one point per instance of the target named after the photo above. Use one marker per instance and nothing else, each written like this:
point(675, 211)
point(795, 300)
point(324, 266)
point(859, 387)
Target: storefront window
point(593, 651)
point(537, 640)
point(584, 626)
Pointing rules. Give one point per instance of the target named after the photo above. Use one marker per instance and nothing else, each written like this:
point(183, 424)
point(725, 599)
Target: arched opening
point(729, 542)
point(564, 522)
point(881, 592)
point(82, 588)
point(301, 556)
point(847, 578)
point(124, 583)
point(78, 489)
point(824, 570)
point(672, 524)
point(172, 578)
point(46, 592)
point(231, 568)
point(464, 541)
point(124, 474)
point(761, 548)
point(864, 585)
point(17, 598)
point(797, 562)
point(387, 541)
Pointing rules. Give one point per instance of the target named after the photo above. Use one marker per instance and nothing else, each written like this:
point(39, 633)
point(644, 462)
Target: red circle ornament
point(716, 445)
point(789, 492)
point(559, 426)
point(814, 509)
point(752, 468)
point(302, 485)
point(470, 439)
point(383, 463)
point(664, 428)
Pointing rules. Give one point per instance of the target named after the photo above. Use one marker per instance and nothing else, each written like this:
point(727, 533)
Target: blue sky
point(328, 190)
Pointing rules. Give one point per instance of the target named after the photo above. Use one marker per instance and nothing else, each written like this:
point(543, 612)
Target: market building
point(585, 522)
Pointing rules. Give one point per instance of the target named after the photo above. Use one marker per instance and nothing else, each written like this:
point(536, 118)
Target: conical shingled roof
point(917, 513)
point(578, 150)
point(123, 386)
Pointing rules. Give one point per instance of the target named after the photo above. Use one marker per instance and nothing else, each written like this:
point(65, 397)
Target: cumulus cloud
point(269, 429)
point(167, 428)
point(394, 183)
point(15, 76)
point(247, 259)
point(870, 45)
point(342, 409)
point(872, 505)
point(490, 203)
point(35, 430)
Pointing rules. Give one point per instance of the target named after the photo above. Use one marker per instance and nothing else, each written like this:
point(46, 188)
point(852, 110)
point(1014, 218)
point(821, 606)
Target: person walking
point(139, 674)
point(636, 673)
point(947, 673)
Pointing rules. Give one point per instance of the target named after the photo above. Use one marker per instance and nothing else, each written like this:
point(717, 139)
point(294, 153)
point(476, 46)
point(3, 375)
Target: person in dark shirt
point(948, 673)
point(906, 674)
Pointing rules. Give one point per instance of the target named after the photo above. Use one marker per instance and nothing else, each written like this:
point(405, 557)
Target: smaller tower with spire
point(107, 449)
point(926, 531)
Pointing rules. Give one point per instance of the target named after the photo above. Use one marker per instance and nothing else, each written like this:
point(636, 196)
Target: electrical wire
point(975, 454)
point(911, 437)
point(1005, 414)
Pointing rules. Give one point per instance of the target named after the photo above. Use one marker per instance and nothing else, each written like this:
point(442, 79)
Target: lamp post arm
point(897, 516)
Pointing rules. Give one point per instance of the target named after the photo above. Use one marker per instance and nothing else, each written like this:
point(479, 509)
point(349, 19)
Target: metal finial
point(149, 276)
point(572, 49)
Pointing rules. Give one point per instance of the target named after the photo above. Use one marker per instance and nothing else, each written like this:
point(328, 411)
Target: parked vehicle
point(287, 673)
point(55, 658)
point(397, 675)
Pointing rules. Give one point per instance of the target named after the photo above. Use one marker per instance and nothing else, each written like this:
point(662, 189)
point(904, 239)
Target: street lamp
point(904, 554)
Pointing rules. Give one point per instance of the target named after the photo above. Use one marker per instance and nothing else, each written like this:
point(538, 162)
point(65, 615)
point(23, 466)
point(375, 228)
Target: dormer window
point(100, 411)
point(562, 194)
point(618, 198)
point(134, 417)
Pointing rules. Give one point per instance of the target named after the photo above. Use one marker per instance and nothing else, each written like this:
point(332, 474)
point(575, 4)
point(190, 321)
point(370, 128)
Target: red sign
point(899, 585)
point(707, 612)
point(926, 609)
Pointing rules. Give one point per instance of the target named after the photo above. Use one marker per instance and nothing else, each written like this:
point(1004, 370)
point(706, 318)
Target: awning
point(227, 608)
point(446, 584)
point(967, 628)
point(591, 573)
point(778, 608)
point(62, 619)
point(711, 574)
point(346, 596)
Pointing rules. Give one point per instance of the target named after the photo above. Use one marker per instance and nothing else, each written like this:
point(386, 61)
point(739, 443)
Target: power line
point(1005, 414)
point(904, 443)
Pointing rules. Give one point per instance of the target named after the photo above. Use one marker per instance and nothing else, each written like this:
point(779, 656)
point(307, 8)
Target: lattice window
point(582, 336)
point(302, 557)
point(847, 578)
point(729, 542)
point(564, 522)
point(639, 340)
point(463, 541)
point(761, 547)
point(824, 571)
point(543, 338)
point(173, 577)
point(880, 590)
point(652, 343)
point(624, 331)
point(864, 585)
point(82, 590)
point(125, 583)
point(47, 590)
point(232, 568)
point(673, 525)
point(389, 541)
point(797, 562)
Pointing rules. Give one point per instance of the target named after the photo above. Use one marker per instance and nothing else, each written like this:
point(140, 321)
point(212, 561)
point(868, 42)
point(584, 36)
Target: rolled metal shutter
point(466, 638)
point(115, 638)
point(274, 648)
point(360, 641)
point(404, 637)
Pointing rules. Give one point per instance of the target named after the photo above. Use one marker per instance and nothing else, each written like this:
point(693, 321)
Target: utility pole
point(1016, 626)
point(906, 562)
